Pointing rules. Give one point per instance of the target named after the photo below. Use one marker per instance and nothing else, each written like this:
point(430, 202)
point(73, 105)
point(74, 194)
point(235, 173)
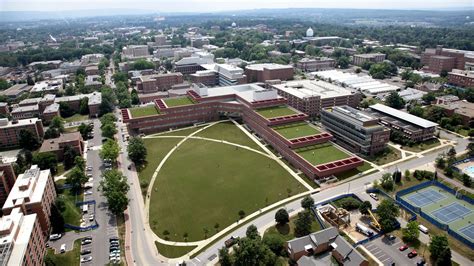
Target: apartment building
point(315, 64)
point(264, 72)
point(461, 78)
point(16, 91)
point(21, 239)
point(192, 64)
point(206, 77)
point(158, 82)
point(310, 96)
point(10, 130)
point(135, 52)
point(7, 180)
point(464, 109)
point(24, 112)
point(355, 130)
point(409, 126)
point(359, 59)
point(33, 192)
point(57, 145)
point(227, 75)
point(439, 59)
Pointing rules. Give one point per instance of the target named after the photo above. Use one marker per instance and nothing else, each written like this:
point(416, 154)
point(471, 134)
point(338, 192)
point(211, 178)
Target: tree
point(387, 212)
point(120, 76)
point(80, 163)
point(364, 207)
point(282, 217)
point(108, 118)
point(76, 178)
point(137, 151)
point(27, 140)
point(252, 232)
point(84, 106)
point(470, 148)
point(417, 110)
point(407, 174)
point(343, 62)
point(57, 123)
point(241, 214)
point(134, 97)
point(114, 187)
point(224, 257)
point(65, 110)
point(275, 243)
point(4, 84)
point(387, 182)
point(307, 202)
point(142, 64)
point(110, 150)
point(440, 162)
point(30, 81)
point(51, 133)
point(252, 252)
point(46, 160)
point(85, 130)
point(411, 232)
point(452, 152)
point(429, 97)
point(303, 224)
point(466, 180)
point(109, 130)
point(394, 100)
point(440, 251)
point(69, 154)
point(397, 176)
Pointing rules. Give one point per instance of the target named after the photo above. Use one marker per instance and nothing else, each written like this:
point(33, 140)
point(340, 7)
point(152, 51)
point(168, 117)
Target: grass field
point(179, 132)
point(202, 176)
point(173, 251)
point(322, 153)
point(172, 102)
point(69, 258)
point(271, 112)
point(76, 118)
point(366, 166)
point(71, 213)
point(390, 155)
point(296, 130)
point(286, 232)
point(229, 132)
point(143, 111)
point(425, 145)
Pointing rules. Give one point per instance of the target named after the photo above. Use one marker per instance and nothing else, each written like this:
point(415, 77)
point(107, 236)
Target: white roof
point(245, 91)
point(260, 67)
point(418, 121)
point(308, 88)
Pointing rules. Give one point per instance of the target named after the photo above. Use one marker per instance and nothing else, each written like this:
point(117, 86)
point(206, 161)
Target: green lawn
point(69, 258)
point(173, 251)
point(322, 153)
point(366, 166)
point(229, 132)
point(71, 129)
point(388, 156)
point(286, 232)
point(71, 213)
point(277, 111)
point(179, 132)
point(76, 118)
point(143, 111)
point(205, 183)
point(422, 146)
point(173, 102)
point(296, 130)
point(156, 151)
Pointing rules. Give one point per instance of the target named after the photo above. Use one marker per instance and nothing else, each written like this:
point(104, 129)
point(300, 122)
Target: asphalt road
point(143, 248)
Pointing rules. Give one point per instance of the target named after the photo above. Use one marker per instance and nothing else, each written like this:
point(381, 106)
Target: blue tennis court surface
point(425, 197)
point(468, 231)
point(451, 212)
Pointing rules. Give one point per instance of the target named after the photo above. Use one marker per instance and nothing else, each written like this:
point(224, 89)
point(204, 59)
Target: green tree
point(387, 182)
point(109, 130)
point(85, 130)
point(51, 133)
point(275, 243)
point(80, 163)
point(252, 252)
point(364, 207)
point(69, 155)
point(303, 224)
point(225, 259)
point(387, 212)
point(343, 62)
point(4, 84)
point(417, 110)
point(110, 150)
point(137, 151)
point(46, 160)
point(439, 250)
point(76, 178)
point(411, 232)
point(65, 110)
point(84, 106)
point(282, 217)
point(394, 100)
point(466, 180)
point(108, 118)
point(307, 202)
point(429, 97)
point(114, 187)
point(134, 97)
point(252, 232)
point(57, 123)
point(27, 140)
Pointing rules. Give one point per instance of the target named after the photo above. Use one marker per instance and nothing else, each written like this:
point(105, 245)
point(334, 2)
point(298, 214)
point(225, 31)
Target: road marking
point(378, 252)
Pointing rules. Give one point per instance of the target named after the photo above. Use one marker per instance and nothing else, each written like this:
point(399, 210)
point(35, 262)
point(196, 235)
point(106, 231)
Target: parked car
point(89, 175)
point(113, 238)
point(412, 254)
point(89, 192)
point(391, 237)
point(86, 241)
point(374, 196)
point(91, 217)
point(231, 241)
point(54, 237)
point(85, 252)
point(421, 262)
point(86, 259)
point(404, 247)
point(63, 248)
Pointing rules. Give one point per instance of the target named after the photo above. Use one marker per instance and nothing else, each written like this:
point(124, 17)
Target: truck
point(423, 229)
point(363, 230)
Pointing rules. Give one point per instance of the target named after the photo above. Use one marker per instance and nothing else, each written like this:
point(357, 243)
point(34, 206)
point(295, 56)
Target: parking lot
point(388, 252)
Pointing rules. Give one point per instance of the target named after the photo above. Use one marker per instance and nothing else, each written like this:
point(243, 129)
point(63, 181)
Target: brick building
point(206, 77)
point(310, 96)
point(92, 70)
point(158, 82)
point(315, 64)
point(461, 78)
point(359, 59)
point(462, 108)
point(264, 72)
point(57, 145)
point(10, 130)
point(21, 239)
point(7, 180)
point(439, 59)
point(33, 192)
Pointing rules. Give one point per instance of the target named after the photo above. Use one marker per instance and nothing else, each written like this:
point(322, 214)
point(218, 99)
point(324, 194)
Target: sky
point(224, 5)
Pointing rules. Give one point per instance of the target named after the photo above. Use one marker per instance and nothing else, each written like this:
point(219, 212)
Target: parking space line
point(378, 252)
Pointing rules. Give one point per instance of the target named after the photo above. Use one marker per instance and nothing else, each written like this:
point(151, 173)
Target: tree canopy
point(114, 187)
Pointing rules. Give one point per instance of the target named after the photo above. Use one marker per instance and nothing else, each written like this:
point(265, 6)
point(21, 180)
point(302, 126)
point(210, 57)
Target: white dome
point(234, 24)
point(309, 32)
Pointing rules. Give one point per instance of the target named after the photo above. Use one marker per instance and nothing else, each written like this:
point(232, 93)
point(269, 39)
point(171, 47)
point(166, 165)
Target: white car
point(89, 192)
point(91, 180)
point(89, 175)
point(55, 237)
point(63, 248)
point(91, 217)
point(86, 259)
point(374, 196)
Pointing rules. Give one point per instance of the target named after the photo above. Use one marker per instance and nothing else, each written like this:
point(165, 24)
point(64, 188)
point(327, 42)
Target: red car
point(412, 254)
point(404, 247)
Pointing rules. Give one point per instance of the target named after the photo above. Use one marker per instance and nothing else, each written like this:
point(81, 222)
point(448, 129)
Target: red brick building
point(7, 180)
point(158, 82)
point(461, 78)
point(439, 59)
point(57, 145)
point(264, 72)
point(10, 130)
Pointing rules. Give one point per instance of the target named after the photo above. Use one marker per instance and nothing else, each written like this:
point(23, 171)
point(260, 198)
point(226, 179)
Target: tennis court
point(468, 231)
point(451, 212)
point(424, 197)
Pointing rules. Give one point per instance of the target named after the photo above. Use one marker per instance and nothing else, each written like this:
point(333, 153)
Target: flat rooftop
point(179, 101)
point(296, 130)
point(143, 111)
point(406, 117)
point(272, 66)
point(321, 153)
point(276, 111)
point(4, 123)
point(249, 92)
point(460, 107)
point(310, 88)
point(352, 113)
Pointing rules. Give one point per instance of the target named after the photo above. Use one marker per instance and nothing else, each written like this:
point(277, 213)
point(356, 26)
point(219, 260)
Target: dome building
point(234, 25)
point(309, 32)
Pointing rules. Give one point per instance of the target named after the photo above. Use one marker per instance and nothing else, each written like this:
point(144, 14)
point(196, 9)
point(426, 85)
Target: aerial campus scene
point(236, 132)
